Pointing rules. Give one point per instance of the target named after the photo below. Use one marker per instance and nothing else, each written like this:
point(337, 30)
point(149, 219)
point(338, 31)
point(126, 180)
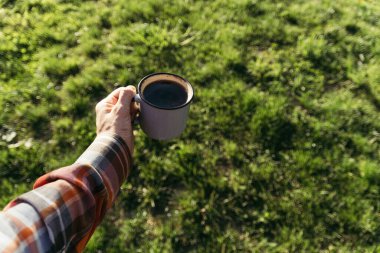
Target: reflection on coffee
point(165, 94)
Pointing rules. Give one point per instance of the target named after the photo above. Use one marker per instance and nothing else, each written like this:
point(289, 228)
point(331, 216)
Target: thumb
point(126, 96)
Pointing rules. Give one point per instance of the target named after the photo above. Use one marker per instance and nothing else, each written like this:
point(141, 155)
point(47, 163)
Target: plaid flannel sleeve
point(67, 204)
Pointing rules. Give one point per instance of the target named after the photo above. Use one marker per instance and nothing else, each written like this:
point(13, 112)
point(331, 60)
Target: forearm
point(69, 202)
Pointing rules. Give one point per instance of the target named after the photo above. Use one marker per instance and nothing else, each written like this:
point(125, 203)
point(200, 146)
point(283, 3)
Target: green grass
point(282, 148)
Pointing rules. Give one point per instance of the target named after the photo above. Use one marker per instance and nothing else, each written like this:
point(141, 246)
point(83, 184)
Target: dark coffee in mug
point(165, 94)
point(164, 101)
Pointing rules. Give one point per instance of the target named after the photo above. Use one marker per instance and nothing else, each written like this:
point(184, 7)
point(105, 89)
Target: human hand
point(114, 114)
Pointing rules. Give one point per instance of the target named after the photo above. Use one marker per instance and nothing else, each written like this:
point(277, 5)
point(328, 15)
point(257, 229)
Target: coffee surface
point(165, 94)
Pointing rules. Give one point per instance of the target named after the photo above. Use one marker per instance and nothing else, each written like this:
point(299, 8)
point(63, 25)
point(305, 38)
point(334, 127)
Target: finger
point(103, 106)
point(134, 109)
point(113, 97)
point(125, 98)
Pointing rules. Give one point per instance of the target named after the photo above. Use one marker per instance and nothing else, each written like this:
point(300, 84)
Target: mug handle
point(136, 99)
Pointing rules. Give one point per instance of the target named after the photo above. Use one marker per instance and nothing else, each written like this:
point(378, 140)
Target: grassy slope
point(281, 152)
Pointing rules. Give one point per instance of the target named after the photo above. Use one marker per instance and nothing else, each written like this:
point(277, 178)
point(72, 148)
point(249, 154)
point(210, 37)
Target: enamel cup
point(163, 123)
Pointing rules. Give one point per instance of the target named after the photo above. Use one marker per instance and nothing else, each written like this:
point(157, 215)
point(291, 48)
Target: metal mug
point(163, 123)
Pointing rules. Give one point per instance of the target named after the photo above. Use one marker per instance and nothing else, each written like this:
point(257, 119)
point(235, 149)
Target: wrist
point(126, 137)
point(109, 155)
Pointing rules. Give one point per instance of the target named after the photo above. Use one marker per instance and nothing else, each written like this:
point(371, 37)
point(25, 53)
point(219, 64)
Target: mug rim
point(159, 107)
